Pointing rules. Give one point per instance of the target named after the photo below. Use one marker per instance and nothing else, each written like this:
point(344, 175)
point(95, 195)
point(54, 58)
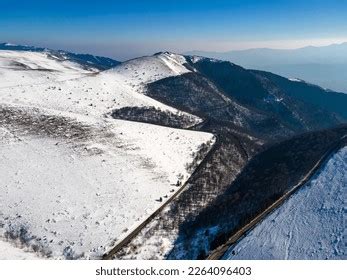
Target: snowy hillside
point(147, 69)
point(152, 68)
point(310, 225)
point(31, 68)
point(87, 61)
point(73, 179)
point(67, 88)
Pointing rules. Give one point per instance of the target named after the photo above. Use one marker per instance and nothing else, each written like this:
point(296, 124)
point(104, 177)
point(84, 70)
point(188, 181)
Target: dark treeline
point(153, 115)
point(267, 177)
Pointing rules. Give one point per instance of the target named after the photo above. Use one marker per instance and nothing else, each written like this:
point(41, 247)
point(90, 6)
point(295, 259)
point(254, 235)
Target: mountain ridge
point(99, 62)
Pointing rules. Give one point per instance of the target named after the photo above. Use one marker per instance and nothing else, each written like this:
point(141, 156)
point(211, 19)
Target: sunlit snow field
point(310, 225)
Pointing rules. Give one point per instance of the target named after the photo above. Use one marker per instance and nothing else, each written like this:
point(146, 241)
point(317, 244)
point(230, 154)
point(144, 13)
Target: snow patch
point(8, 251)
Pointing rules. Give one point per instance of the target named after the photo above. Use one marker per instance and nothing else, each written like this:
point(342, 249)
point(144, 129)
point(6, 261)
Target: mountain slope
point(91, 177)
point(267, 177)
point(247, 99)
point(308, 226)
point(309, 93)
point(87, 60)
point(325, 66)
point(19, 68)
point(36, 79)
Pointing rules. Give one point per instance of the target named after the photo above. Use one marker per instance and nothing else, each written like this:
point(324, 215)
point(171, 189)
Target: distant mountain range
point(99, 62)
point(325, 66)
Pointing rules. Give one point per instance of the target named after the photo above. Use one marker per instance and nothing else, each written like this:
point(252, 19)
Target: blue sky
point(125, 29)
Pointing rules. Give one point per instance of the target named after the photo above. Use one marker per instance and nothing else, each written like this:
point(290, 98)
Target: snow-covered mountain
point(20, 68)
point(73, 179)
point(86, 60)
point(149, 69)
point(45, 82)
point(252, 100)
point(87, 156)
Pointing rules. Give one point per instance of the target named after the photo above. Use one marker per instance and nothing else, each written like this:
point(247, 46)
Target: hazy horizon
point(162, 50)
point(126, 30)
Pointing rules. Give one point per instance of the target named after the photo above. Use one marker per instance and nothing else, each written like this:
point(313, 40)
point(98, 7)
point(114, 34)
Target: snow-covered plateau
point(73, 180)
point(309, 225)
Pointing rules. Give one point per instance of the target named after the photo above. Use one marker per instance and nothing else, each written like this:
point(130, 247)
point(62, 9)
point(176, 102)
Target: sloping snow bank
point(18, 68)
point(310, 225)
point(9, 252)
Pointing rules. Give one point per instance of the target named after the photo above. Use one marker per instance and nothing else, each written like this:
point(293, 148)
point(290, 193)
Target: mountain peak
point(163, 53)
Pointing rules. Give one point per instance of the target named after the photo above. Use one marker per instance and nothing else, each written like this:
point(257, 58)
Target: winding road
point(109, 255)
point(217, 253)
